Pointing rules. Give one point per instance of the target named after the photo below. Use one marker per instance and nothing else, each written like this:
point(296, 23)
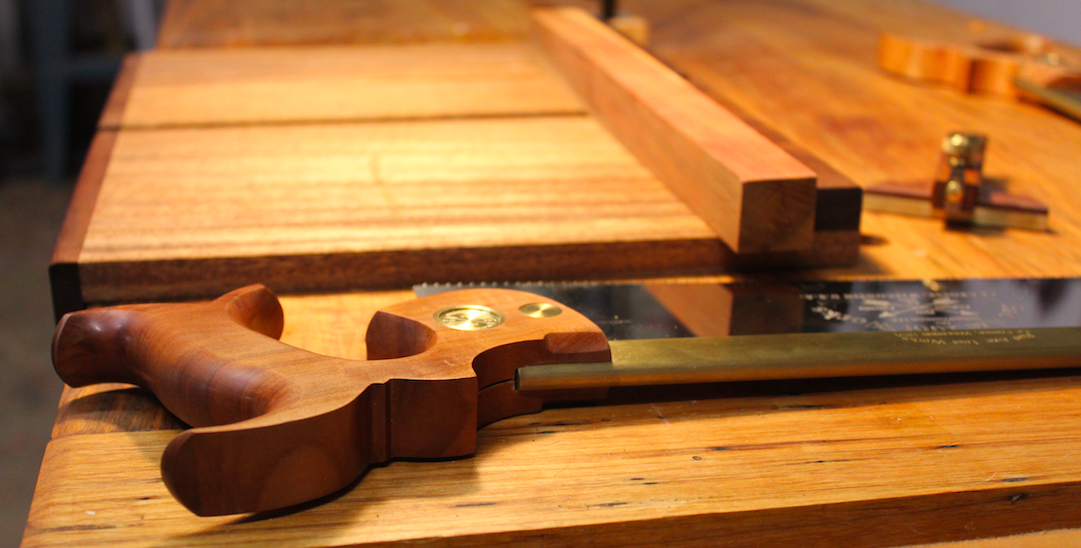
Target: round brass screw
point(540, 310)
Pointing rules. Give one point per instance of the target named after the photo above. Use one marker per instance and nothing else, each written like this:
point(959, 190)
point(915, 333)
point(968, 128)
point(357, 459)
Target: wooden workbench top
point(860, 463)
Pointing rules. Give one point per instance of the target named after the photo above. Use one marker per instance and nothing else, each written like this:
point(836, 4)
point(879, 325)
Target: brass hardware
point(807, 355)
point(958, 193)
point(959, 176)
point(540, 310)
point(469, 317)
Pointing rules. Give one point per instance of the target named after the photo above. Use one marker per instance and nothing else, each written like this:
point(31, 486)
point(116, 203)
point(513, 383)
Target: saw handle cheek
point(200, 359)
point(277, 426)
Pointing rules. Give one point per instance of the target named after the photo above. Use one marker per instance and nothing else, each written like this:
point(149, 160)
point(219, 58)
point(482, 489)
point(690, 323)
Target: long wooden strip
point(756, 196)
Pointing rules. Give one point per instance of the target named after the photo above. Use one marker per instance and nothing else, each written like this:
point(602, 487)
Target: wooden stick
point(756, 196)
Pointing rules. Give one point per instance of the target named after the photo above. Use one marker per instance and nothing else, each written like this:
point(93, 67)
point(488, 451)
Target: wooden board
point(194, 211)
point(385, 204)
point(327, 84)
point(748, 463)
point(751, 192)
point(225, 172)
point(223, 23)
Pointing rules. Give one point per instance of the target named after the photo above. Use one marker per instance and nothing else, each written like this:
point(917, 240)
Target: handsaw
point(278, 426)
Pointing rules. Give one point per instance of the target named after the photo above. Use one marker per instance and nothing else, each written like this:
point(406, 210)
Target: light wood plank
point(197, 211)
point(756, 196)
point(769, 470)
point(288, 85)
point(390, 197)
point(224, 23)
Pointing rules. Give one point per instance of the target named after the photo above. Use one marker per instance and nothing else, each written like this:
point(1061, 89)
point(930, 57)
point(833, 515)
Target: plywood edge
point(707, 156)
point(64, 279)
point(112, 115)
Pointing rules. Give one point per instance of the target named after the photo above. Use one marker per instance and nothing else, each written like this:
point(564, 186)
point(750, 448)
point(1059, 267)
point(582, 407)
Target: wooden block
point(757, 197)
point(326, 84)
point(634, 27)
point(838, 199)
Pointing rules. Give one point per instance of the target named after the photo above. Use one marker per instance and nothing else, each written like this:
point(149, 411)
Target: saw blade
point(658, 310)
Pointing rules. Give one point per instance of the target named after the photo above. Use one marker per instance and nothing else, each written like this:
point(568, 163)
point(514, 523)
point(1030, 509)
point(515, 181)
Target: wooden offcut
point(757, 197)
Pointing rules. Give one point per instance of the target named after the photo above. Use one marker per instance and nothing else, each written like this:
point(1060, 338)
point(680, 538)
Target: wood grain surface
point(365, 194)
point(337, 139)
point(808, 68)
point(223, 23)
point(327, 84)
point(191, 211)
point(756, 196)
point(835, 464)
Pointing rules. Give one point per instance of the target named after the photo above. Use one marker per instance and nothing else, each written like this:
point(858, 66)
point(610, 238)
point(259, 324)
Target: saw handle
point(277, 426)
point(151, 346)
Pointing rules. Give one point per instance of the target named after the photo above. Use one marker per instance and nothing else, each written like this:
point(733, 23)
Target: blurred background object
point(1056, 19)
point(58, 59)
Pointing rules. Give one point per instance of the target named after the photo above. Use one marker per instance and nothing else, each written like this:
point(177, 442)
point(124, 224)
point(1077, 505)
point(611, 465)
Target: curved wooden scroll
point(277, 425)
point(980, 62)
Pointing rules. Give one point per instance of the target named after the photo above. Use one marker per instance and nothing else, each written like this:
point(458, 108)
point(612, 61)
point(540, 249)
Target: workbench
point(859, 462)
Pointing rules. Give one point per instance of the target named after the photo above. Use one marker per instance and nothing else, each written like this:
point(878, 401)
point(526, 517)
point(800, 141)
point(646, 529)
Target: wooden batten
point(756, 196)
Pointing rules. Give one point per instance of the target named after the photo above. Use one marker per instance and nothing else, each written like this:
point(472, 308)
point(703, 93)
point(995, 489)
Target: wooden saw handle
point(980, 61)
point(277, 426)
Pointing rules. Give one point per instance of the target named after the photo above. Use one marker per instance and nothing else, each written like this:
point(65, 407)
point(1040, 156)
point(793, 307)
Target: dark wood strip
point(64, 268)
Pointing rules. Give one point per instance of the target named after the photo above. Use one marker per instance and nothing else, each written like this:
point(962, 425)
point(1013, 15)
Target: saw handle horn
point(277, 426)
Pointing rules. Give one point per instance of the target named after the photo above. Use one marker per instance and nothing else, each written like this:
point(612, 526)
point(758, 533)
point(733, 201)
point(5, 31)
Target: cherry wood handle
point(276, 425)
